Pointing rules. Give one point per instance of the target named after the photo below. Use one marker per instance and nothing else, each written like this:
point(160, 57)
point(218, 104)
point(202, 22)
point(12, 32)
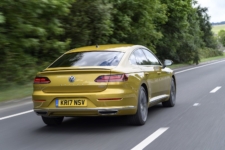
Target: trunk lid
point(74, 80)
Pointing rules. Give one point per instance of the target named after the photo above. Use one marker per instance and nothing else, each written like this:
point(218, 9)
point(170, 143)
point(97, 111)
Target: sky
point(216, 9)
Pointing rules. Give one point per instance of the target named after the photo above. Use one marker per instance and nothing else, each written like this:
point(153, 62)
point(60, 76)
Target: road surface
point(197, 122)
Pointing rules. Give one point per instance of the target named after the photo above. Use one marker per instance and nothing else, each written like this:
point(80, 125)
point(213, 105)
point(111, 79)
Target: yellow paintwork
point(86, 88)
point(101, 47)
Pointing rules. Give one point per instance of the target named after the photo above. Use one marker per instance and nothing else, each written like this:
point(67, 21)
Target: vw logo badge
point(71, 78)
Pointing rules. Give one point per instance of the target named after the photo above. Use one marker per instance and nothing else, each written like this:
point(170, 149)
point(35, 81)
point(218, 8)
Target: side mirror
point(167, 62)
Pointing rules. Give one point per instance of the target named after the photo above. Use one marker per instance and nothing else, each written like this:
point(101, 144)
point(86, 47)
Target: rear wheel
point(52, 121)
point(142, 109)
point(172, 100)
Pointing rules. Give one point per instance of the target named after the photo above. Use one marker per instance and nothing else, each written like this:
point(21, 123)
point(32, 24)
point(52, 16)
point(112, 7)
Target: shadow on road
point(96, 124)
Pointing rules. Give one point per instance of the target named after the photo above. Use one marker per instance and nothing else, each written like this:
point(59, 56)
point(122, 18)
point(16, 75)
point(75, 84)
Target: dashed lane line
point(196, 104)
point(215, 90)
point(150, 139)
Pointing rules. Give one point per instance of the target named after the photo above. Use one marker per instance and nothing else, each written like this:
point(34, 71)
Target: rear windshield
point(103, 58)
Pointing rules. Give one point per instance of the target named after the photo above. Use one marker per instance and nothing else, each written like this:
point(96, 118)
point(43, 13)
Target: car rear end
point(85, 84)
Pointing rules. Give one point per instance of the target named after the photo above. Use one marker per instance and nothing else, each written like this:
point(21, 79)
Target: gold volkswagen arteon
point(104, 80)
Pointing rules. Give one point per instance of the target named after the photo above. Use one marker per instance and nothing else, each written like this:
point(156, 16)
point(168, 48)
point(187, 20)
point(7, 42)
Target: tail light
point(41, 80)
point(112, 78)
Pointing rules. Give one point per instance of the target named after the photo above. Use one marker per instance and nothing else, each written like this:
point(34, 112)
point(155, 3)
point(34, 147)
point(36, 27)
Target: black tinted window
point(151, 58)
point(103, 58)
point(140, 57)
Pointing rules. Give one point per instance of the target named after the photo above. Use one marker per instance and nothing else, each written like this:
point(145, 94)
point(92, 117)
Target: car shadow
point(95, 124)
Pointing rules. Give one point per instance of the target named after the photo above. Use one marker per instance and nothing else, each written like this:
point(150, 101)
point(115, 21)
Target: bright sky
point(216, 9)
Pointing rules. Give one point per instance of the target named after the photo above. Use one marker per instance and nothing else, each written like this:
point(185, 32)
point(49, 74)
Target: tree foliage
point(29, 33)
point(222, 36)
point(135, 21)
point(186, 32)
point(206, 28)
point(35, 32)
point(89, 23)
point(175, 29)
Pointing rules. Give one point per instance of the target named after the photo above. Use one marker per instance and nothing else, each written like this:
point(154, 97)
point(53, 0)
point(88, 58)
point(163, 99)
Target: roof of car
point(114, 47)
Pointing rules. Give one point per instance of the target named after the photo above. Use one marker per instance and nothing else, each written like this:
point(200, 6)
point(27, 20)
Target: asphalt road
point(197, 122)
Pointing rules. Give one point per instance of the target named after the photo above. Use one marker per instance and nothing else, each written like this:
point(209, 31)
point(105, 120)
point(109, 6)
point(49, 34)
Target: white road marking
point(18, 114)
point(199, 67)
point(196, 104)
point(150, 139)
point(216, 89)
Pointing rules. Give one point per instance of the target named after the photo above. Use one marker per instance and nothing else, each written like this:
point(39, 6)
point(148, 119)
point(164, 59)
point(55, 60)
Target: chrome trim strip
point(107, 112)
point(85, 109)
point(158, 98)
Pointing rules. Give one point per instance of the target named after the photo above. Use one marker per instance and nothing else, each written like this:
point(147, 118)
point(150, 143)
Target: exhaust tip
point(40, 113)
point(107, 112)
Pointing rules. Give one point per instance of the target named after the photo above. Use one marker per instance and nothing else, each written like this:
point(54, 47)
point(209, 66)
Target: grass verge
point(174, 66)
point(16, 92)
point(213, 58)
point(217, 28)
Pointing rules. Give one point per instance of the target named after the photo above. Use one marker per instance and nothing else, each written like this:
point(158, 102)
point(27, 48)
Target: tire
point(52, 121)
point(142, 109)
point(172, 100)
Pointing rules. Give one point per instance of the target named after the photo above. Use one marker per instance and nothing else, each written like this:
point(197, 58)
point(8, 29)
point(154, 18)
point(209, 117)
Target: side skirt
point(157, 99)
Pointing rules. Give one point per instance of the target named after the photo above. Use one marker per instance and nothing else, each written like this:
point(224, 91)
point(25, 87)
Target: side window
point(132, 59)
point(140, 57)
point(151, 58)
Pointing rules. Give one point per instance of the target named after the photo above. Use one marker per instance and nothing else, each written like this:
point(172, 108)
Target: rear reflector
point(109, 99)
point(112, 78)
point(41, 80)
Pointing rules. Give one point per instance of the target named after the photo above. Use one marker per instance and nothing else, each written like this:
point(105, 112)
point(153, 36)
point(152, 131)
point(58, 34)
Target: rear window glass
point(103, 58)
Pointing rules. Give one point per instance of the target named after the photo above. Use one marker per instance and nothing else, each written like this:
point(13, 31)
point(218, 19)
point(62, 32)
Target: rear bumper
point(99, 111)
point(119, 98)
point(127, 105)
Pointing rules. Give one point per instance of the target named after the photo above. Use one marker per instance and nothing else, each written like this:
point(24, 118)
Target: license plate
point(70, 102)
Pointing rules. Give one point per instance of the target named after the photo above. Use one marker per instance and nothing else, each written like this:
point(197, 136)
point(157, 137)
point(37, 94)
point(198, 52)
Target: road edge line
point(14, 115)
point(198, 67)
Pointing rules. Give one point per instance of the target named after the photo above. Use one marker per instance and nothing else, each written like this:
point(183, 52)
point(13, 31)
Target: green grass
point(174, 66)
point(213, 58)
point(217, 28)
point(16, 92)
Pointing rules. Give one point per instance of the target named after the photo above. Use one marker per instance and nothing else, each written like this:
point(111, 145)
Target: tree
point(89, 23)
point(221, 35)
point(174, 30)
point(206, 28)
point(29, 36)
point(189, 48)
point(186, 33)
point(136, 21)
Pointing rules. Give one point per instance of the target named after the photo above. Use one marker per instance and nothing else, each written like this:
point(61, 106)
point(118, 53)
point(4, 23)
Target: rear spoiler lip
point(74, 69)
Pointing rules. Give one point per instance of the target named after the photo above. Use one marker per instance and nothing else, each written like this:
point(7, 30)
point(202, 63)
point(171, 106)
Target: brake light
point(41, 80)
point(112, 78)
